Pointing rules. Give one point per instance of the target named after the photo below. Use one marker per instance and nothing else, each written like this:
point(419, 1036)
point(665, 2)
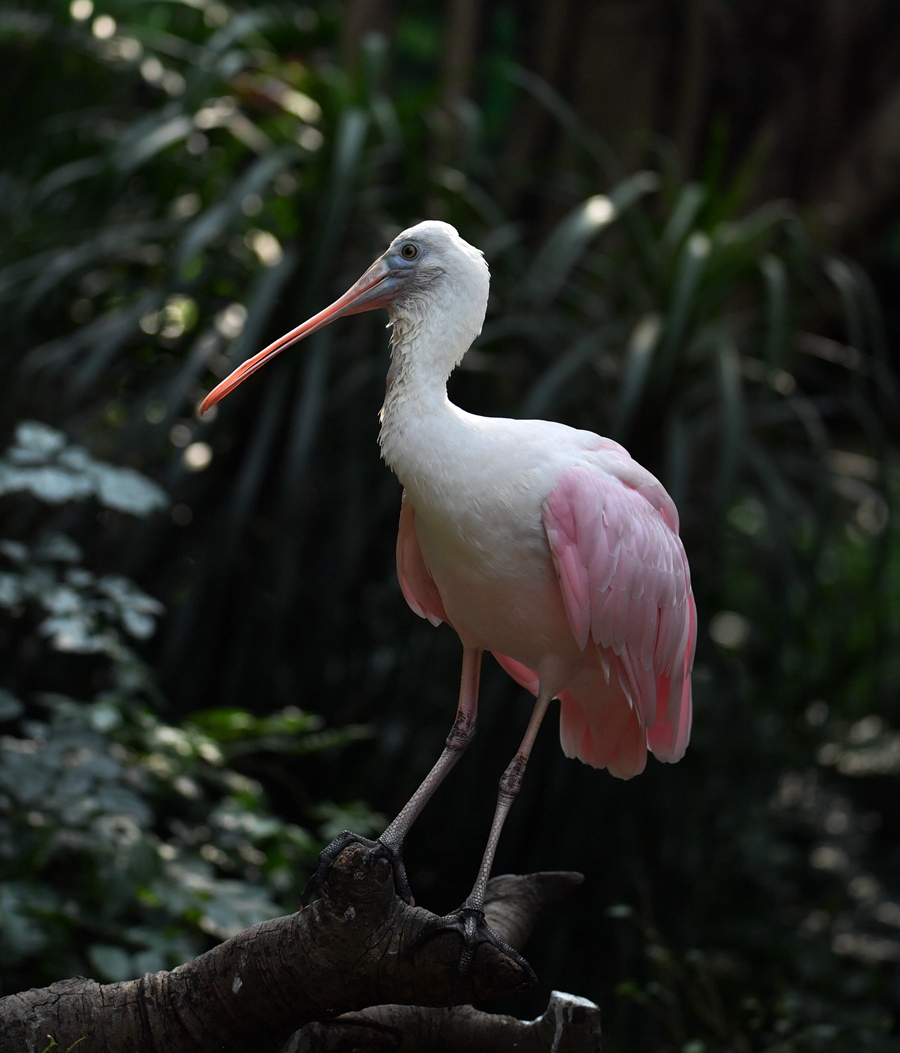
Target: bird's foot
point(330, 853)
point(470, 925)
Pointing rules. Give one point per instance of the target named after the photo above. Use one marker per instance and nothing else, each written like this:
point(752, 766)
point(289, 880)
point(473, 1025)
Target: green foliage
point(127, 844)
point(194, 180)
point(54, 1044)
point(43, 464)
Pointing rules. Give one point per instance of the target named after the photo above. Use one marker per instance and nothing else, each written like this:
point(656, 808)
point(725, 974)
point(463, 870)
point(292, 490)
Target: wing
point(626, 588)
point(416, 583)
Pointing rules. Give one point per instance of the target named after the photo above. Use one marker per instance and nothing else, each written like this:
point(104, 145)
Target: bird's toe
point(470, 925)
point(330, 853)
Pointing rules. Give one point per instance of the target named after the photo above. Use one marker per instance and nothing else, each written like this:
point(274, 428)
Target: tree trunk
point(352, 949)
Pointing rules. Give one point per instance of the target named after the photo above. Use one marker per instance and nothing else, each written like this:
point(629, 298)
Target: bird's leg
point(510, 784)
point(461, 735)
point(468, 922)
point(391, 841)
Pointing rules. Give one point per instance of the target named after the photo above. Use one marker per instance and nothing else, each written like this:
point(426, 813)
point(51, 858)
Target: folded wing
point(626, 588)
point(416, 583)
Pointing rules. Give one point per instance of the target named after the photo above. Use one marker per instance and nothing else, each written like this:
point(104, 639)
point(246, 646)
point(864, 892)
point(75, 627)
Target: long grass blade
point(220, 216)
point(847, 284)
point(540, 398)
point(566, 243)
point(566, 117)
point(692, 263)
point(683, 217)
point(731, 419)
point(638, 359)
point(775, 276)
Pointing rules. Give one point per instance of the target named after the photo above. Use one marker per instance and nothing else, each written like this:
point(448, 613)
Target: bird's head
point(427, 268)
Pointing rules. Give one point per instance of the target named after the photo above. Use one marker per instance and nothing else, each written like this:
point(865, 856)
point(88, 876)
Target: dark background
point(763, 253)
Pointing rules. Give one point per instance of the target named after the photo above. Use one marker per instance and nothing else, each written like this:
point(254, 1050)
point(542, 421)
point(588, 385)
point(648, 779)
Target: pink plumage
point(625, 586)
point(548, 546)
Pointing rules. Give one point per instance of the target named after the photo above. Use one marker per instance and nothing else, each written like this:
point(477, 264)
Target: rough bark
point(352, 949)
point(570, 1025)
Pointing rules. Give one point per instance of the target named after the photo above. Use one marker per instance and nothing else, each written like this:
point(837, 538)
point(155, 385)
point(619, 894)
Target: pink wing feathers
point(416, 583)
point(626, 589)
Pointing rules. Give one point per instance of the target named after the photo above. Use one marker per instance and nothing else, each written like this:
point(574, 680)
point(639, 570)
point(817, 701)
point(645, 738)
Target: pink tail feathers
point(596, 723)
point(602, 730)
point(670, 734)
point(604, 725)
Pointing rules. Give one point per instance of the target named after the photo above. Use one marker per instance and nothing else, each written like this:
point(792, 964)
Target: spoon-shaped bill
point(374, 289)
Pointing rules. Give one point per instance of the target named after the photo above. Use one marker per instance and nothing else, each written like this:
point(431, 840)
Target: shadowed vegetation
point(181, 183)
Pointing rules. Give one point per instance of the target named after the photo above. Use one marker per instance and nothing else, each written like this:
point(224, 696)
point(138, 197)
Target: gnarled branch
point(355, 948)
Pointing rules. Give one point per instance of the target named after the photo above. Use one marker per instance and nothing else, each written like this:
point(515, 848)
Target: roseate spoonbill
point(547, 546)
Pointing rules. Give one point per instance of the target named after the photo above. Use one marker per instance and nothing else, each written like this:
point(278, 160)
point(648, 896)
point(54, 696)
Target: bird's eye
point(409, 251)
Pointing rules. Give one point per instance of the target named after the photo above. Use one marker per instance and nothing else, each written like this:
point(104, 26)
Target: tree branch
point(569, 1025)
point(350, 950)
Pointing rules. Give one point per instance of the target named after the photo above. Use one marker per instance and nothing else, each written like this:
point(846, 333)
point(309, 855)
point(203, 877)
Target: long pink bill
point(374, 289)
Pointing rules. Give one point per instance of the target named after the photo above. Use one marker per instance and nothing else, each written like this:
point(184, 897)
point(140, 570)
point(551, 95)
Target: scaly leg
point(391, 841)
point(468, 922)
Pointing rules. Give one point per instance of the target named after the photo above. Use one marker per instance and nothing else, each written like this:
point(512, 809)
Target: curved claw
point(470, 925)
point(330, 853)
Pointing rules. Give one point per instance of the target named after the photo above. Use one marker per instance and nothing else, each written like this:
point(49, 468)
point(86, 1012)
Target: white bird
point(548, 546)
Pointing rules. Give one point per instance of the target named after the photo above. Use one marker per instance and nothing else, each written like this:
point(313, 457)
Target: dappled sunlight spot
point(185, 206)
point(128, 48)
point(103, 27)
point(215, 15)
point(868, 749)
point(197, 144)
point(285, 184)
point(149, 323)
point(699, 246)
point(815, 922)
point(152, 70)
point(187, 787)
point(178, 315)
point(837, 821)
point(749, 516)
point(81, 10)
point(180, 435)
point(864, 888)
point(266, 246)
point(289, 99)
point(172, 82)
point(729, 629)
point(230, 321)
point(213, 854)
point(215, 113)
point(816, 713)
point(197, 456)
point(870, 949)
point(865, 730)
point(155, 411)
point(310, 139)
point(873, 514)
point(177, 739)
point(857, 465)
point(827, 857)
point(599, 209)
point(782, 382)
point(888, 913)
